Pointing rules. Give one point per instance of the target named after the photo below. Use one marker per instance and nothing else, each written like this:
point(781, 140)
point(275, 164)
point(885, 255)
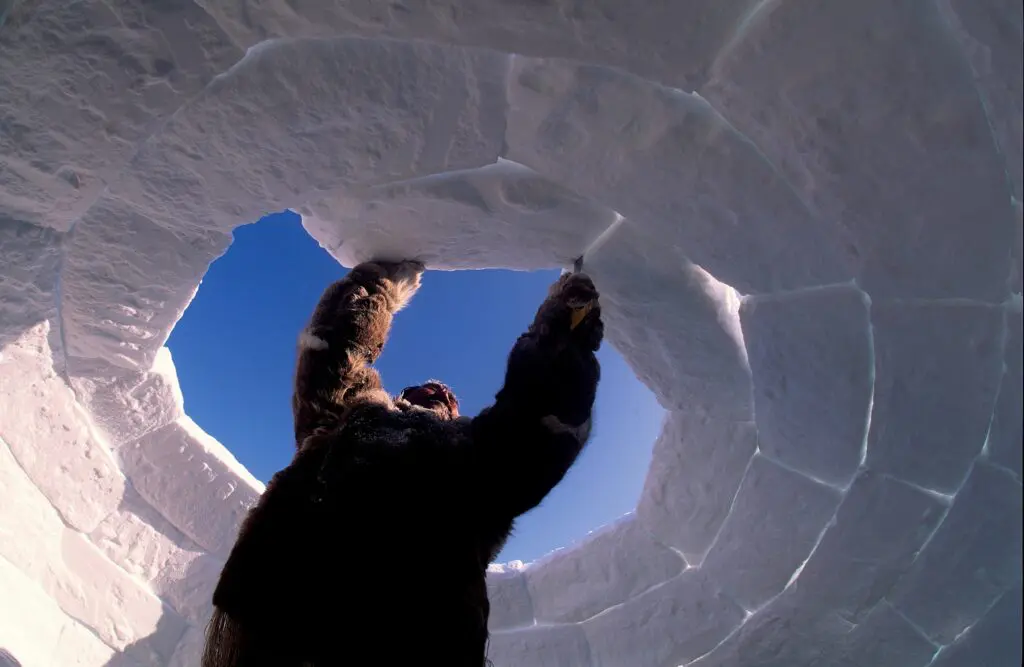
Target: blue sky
point(234, 349)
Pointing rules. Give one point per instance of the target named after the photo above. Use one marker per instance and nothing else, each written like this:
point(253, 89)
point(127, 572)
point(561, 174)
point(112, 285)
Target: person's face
point(433, 396)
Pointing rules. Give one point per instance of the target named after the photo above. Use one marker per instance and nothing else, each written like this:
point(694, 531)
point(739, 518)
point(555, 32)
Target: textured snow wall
point(804, 217)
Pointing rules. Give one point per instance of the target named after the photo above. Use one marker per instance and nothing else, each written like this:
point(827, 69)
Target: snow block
point(668, 625)
point(126, 281)
point(82, 582)
point(190, 591)
point(124, 404)
point(144, 544)
point(30, 527)
point(776, 519)
point(297, 117)
point(112, 603)
point(877, 533)
point(697, 466)
point(193, 481)
point(540, 646)
point(883, 639)
point(667, 41)
point(36, 632)
point(656, 154)
point(676, 325)
point(787, 632)
point(30, 256)
point(994, 641)
point(795, 630)
point(500, 215)
point(611, 567)
point(84, 83)
point(189, 652)
point(79, 647)
point(973, 558)
point(1004, 436)
point(511, 606)
point(50, 435)
point(989, 32)
point(871, 112)
point(937, 369)
point(810, 357)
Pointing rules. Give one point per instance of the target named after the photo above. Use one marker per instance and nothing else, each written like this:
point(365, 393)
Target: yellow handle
point(578, 315)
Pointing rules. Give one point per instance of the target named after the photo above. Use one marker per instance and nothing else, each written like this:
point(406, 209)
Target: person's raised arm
point(526, 441)
point(345, 336)
point(261, 602)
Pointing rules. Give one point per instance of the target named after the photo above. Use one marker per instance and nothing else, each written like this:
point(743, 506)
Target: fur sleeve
point(345, 336)
point(529, 438)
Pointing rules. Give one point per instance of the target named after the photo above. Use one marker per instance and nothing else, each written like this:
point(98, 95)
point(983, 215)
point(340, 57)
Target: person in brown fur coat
point(323, 573)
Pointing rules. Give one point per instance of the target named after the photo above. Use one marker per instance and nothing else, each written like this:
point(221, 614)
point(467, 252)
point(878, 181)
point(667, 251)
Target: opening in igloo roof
point(813, 270)
point(234, 352)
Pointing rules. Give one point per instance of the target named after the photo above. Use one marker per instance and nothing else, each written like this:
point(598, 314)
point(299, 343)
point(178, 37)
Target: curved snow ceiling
point(813, 259)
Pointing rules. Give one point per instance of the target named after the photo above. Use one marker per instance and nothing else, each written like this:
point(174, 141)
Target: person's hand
point(572, 311)
point(401, 279)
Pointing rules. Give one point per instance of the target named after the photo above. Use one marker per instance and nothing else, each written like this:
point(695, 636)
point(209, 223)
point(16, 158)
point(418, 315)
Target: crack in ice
point(873, 378)
point(732, 506)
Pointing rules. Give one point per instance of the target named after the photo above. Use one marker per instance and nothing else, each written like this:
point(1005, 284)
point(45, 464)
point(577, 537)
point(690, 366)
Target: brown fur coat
point(326, 570)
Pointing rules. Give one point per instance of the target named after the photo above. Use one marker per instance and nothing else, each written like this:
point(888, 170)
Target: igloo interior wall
point(804, 217)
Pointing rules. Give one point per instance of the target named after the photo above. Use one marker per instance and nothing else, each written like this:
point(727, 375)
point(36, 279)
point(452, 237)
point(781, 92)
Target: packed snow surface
point(804, 218)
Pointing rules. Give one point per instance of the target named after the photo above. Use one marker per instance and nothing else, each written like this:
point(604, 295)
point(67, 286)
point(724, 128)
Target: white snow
point(804, 218)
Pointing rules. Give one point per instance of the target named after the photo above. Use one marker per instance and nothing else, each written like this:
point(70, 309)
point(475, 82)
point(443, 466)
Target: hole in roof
point(234, 349)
